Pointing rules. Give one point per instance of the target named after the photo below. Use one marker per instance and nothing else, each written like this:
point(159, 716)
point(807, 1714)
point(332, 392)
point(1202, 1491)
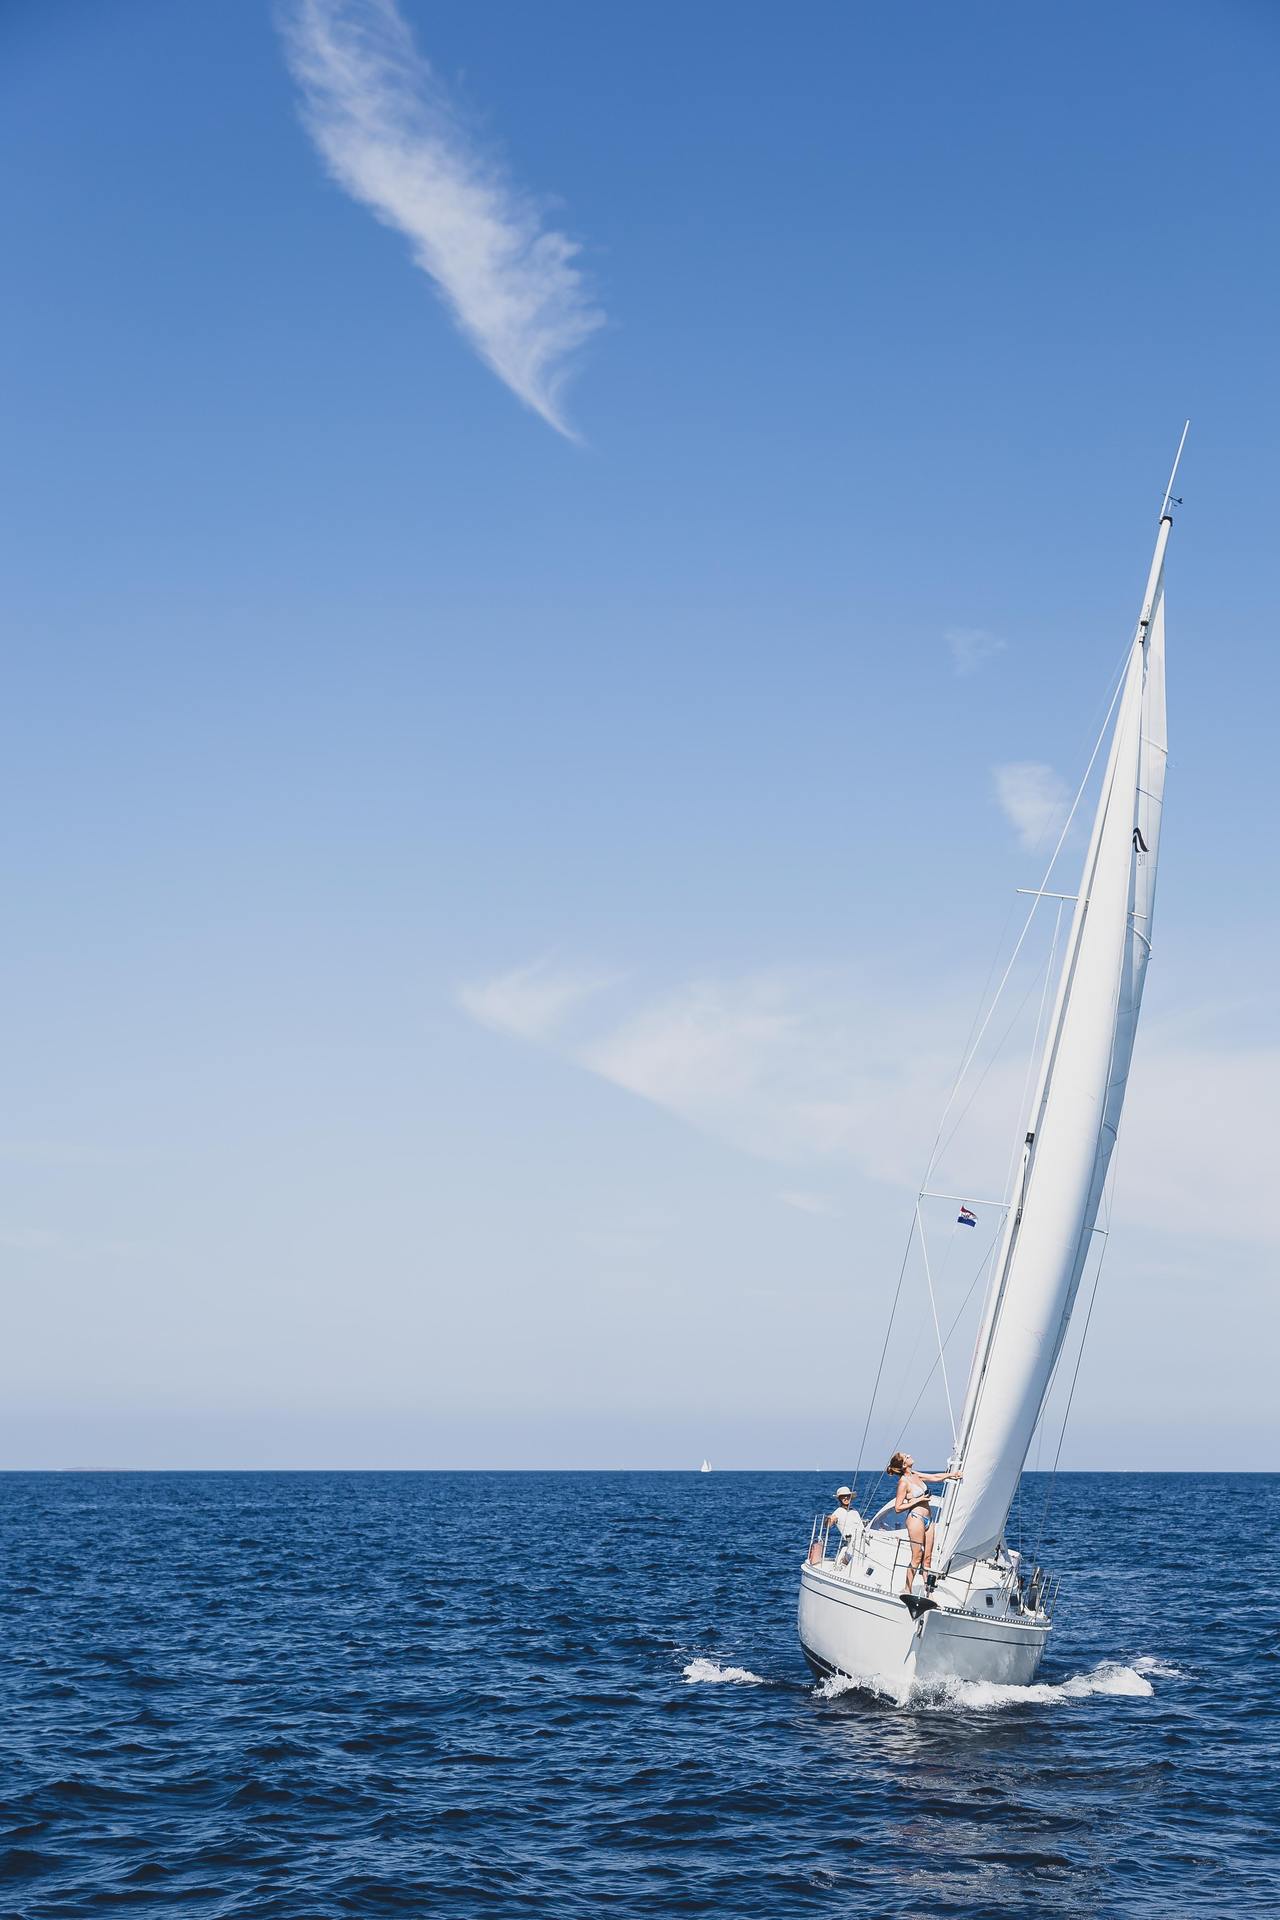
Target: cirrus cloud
point(392, 138)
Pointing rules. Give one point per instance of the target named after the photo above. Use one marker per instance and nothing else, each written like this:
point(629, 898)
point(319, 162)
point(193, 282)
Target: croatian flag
point(966, 1217)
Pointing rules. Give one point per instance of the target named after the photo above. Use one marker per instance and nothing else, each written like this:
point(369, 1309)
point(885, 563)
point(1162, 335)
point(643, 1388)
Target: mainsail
point(1075, 1114)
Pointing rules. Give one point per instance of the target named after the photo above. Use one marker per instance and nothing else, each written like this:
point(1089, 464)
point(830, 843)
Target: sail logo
point(1139, 844)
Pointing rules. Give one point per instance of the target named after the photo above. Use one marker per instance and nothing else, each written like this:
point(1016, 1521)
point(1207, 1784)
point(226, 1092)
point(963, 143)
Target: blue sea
point(319, 1694)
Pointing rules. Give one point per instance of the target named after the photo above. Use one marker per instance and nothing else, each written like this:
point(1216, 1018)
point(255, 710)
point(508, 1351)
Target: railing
point(822, 1530)
point(1022, 1589)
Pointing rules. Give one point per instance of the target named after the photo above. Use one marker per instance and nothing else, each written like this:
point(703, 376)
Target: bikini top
point(920, 1499)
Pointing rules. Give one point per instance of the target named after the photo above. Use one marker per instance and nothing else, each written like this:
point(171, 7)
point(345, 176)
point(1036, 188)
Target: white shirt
point(847, 1521)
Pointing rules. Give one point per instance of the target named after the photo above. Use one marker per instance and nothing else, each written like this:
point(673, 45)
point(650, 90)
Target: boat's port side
point(821, 1669)
point(849, 1627)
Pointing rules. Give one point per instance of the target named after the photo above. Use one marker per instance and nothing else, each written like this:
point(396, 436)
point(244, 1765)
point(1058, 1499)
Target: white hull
point(848, 1627)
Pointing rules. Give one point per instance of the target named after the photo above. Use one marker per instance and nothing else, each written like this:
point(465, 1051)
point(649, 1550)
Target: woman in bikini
point(913, 1500)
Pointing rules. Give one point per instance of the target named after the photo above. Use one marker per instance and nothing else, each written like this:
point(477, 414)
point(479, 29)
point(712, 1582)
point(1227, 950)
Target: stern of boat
point(990, 1619)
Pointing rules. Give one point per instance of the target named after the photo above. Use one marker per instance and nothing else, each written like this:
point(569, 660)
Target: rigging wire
point(1066, 1415)
point(917, 1221)
point(933, 1304)
point(973, 1046)
point(1053, 1471)
point(973, 1042)
point(1041, 1423)
point(907, 1373)
point(1080, 905)
point(924, 1387)
point(1034, 1053)
point(902, 1270)
point(1104, 707)
point(995, 1055)
point(1011, 1175)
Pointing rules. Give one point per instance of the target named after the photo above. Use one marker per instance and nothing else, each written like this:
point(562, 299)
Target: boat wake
point(709, 1673)
point(983, 1696)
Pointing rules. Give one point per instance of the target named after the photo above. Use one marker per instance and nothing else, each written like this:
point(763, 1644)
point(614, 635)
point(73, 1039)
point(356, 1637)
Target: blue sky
point(512, 797)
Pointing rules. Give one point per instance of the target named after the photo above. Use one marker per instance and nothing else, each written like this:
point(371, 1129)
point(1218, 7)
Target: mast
point(1075, 1110)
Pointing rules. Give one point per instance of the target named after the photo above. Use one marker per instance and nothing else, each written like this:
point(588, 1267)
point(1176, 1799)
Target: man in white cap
point(847, 1522)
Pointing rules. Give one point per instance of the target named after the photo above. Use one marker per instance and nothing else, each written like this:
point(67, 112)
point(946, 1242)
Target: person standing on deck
point(913, 1500)
point(847, 1522)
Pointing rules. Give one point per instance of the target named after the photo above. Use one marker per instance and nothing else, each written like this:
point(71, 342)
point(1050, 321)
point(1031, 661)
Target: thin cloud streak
point(529, 1002)
point(392, 139)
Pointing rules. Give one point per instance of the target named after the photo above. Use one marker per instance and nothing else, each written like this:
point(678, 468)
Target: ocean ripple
point(289, 1695)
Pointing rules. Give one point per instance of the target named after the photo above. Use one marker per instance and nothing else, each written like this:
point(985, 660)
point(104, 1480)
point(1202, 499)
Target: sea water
point(572, 1695)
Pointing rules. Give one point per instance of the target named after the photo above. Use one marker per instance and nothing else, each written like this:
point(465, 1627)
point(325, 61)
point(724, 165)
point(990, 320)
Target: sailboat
point(705, 1467)
point(989, 1613)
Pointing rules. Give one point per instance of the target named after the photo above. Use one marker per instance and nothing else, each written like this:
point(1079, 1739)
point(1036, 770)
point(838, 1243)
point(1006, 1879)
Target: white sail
point(1076, 1112)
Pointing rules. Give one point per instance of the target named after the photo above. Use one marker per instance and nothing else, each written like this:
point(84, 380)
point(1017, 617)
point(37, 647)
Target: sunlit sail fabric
point(1075, 1118)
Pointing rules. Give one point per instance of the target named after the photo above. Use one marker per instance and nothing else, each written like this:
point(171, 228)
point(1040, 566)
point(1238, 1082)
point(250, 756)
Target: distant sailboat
point(989, 1614)
point(705, 1467)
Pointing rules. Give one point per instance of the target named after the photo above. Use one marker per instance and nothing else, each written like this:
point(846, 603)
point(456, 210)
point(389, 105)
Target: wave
point(709, 1673)
point(1110, 1677)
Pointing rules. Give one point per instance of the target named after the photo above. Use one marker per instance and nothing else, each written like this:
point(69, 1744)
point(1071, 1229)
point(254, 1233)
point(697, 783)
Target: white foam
point(1109, 1678)
point(880, 1684)
point(1149, 1663)
point(984, 1696)
point(708, 1673)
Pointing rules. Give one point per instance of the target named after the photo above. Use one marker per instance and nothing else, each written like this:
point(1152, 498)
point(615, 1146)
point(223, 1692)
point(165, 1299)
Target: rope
point(1062, 1432)
point(969, 1052)
point(918, 1220)
point(902, 1270)
point(1034, 1053)
point(968, 1059)
point(933, 1304)
point(995, 1055)
point(908, 1373)
point(1048, 965)
point(985, 1261)
point(1053, 1471)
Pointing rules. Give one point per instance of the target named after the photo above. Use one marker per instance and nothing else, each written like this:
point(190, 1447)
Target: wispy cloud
point(791, 1065)
point(532, 1001)
point(971, 648)
point(1033, 798)
point(392, 138)
point(811, 1070)
point(805, 1068)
